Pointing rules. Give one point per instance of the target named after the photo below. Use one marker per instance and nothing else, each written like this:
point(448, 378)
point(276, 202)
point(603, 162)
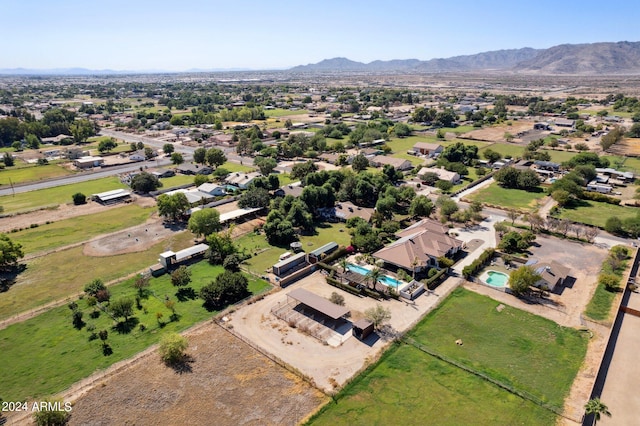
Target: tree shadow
point(186, 293)
point(106, 349)
point(183, 365)
point(125, 327)
point(9, 276)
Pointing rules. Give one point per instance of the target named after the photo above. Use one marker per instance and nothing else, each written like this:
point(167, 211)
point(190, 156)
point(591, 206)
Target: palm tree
point(596, 407)
point(414, 264)
point(374, 275)
point(343, 264)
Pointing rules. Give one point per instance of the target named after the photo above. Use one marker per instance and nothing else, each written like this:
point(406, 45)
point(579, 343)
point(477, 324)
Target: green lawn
point(30, 173)
point(46, 354)
point(57, 275)
point(280, 112)
point(504, 149)
point(285, 179)
point(57, 195)
point(81, 228)
point(265, 255)
point(519, 199)
point(235, 167)
point(177, 180)
point(408, 386)
point(620, 162)
point(596, 213)
point(559, 156)
point(599, 307)
point(532, 353)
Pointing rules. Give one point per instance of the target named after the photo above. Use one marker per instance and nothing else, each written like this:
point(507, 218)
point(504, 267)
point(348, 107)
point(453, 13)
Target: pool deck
point(484, 276)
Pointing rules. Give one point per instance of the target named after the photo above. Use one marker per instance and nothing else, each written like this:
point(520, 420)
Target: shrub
point(336, 298)
point(172, 348)
point(79, 198)
point(610, 281)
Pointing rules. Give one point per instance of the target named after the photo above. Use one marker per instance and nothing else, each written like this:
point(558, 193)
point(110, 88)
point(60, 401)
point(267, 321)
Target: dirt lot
point(327, 365)
point(226, 383)
point(496, 134)
point(627, 146)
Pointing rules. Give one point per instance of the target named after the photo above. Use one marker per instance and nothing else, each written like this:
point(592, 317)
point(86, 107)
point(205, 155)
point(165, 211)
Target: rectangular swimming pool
point(384, 279)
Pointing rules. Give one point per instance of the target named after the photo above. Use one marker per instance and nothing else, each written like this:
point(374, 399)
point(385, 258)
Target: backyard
point(265, 255)
point(518, 199)
point(533, 355)
point(46, 354)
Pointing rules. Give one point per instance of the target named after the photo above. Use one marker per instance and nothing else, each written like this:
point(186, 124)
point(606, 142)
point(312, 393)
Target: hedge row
point(596, 196)
point(335, 255)
point(479, 263)
point(365, 291)
point(434, 281)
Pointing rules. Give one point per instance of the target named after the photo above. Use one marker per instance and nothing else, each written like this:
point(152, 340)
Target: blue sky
point(180, 35)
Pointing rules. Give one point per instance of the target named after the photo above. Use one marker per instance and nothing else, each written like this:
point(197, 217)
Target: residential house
point(242, 180)
point(345, 210)
point(397, 163)
point(88, 162)
point(293, 190)
point(194, 169)
point(552, 274)
point(137, 156)
point(547, 165)
point(428, 149)
point(563, 122)
point(212, 189)
point(419, 247)
point(442, 174)
point(162, 173)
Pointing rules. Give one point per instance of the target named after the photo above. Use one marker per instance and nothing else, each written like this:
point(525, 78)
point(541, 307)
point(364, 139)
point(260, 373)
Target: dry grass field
point(227, 382)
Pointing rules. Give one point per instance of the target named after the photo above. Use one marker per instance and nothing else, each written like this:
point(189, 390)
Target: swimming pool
point(357, 269)
point(497, 279)
point(384, 279)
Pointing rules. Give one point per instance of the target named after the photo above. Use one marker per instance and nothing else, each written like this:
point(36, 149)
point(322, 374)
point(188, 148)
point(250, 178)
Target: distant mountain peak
point(581, 59)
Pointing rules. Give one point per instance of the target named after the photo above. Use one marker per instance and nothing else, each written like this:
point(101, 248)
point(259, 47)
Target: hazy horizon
point(250, 35)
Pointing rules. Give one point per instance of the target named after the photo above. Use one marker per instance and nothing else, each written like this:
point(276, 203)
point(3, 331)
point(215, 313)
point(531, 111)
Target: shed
point(111, 197)
point(319, 253)
point(319, 304)
point(289, 265)
point(362, 328)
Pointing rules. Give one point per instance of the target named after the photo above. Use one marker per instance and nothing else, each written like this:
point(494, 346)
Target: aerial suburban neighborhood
point(449, 241)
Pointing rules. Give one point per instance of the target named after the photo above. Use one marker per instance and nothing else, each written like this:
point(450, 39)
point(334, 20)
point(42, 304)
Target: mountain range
point(566, 59)
point(622, 58)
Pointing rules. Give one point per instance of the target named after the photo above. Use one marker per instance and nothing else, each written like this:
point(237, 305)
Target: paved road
point(187, 151)
point(81, 177)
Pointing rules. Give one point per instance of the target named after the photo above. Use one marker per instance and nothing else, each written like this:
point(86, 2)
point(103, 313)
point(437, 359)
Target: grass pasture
point(281, 112)
point(504, 149)
point(60, 274)
point(81, 228)
point(599, 307)
point(596, 213)
point(30, 173)
point(46, 354)
point(265, 255)
point(409, 386)
point(57, 195)
point(518, 199)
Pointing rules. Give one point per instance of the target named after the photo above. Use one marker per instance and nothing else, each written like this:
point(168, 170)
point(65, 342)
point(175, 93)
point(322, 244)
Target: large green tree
point(10, 252)
point(173, 206)
point(204, 222)
point(215, 157)
point(228, 287)
point(521, 279)
point(145, 183)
